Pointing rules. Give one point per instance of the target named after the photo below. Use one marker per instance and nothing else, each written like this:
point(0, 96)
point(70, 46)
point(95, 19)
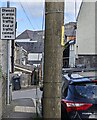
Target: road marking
point(24, 109)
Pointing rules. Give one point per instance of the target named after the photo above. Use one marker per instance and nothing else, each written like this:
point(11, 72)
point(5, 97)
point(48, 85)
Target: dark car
point(79, 97)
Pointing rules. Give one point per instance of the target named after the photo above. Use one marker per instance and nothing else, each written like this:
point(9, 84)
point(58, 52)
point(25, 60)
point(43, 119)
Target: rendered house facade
point(86, 36)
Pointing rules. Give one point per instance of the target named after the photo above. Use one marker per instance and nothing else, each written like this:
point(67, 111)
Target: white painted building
point(72, 53)
point(33, 43)
point(86, 34)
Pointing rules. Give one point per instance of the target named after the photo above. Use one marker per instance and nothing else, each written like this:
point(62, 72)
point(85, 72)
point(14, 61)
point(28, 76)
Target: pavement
point(21, 108)
point(32, 93)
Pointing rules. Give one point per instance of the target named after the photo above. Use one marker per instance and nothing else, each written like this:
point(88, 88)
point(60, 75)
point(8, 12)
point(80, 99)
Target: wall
point(86, 52)
point(4, 69)
point(25, 80)
point(86, 29)
point(21, 56)
point(96, 27)
point(90, 61)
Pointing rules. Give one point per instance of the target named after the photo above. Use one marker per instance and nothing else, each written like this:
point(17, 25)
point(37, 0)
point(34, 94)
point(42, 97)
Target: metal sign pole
point(8, 70)
point(8, 32)
point(8, 67)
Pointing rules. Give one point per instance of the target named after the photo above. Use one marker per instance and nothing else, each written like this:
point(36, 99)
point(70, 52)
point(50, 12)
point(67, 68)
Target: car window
point(89, 91)
point(64, 90)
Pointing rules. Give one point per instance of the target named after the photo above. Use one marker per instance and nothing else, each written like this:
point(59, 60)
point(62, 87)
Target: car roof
point(76, 78)
point(73, 76)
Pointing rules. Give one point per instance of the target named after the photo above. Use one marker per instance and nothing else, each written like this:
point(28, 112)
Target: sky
point(30, 15)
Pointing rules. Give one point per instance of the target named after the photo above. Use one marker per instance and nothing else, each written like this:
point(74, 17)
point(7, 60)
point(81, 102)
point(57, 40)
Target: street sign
point(8, 23)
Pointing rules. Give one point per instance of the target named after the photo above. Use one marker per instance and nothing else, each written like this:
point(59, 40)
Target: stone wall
point(3, 94)
point(3, 63)
point(90, 61)
point(0, 98)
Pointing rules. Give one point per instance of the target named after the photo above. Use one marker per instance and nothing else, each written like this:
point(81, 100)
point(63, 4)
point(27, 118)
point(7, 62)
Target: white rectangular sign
point(8, 23)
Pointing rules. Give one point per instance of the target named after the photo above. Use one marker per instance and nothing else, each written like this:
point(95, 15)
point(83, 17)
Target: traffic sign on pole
point(8, 23)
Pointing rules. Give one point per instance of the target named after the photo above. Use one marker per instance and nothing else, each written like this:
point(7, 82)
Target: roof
point(70, 29)
point(24, 68)
point(78, 79)
point(32, 35)
point(72, 75)
point(32, 47)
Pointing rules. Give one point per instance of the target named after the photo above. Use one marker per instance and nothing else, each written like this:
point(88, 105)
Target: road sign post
point(8, 32)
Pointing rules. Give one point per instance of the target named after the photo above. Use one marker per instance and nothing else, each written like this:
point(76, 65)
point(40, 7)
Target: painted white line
point(26, 109)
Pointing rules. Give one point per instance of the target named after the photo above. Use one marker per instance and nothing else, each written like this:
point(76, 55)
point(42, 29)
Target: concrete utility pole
point(53, 52)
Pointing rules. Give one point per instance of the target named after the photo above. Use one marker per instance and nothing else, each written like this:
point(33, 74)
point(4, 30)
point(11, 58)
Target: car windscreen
point(88, 90)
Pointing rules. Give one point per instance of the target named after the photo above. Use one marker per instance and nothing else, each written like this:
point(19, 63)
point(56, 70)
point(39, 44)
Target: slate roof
point(32, 35)
point(70, 29)
point(38, 47)
point(39, 35)
point(32, 47)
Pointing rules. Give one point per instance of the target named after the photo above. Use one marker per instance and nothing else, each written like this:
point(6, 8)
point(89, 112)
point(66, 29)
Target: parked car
point(79, 97)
